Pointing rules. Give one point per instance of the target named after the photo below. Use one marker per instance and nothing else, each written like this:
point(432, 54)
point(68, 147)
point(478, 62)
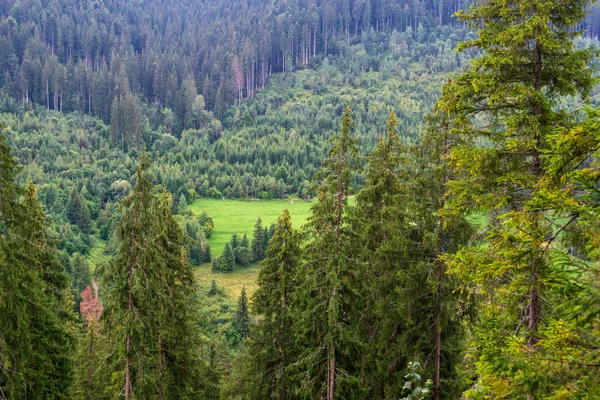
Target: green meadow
point(239, 216)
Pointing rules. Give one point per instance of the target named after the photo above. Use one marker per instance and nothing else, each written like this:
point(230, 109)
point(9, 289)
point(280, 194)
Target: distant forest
point(89, 55)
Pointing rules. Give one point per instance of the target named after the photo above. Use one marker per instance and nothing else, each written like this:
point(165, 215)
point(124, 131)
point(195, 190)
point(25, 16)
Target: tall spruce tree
point(258, 250)
point(36, 341)
point(148, 315)
point(383, 234)
point(241, 321)
point(328, 298)
point(273, 349)
point(501, 113)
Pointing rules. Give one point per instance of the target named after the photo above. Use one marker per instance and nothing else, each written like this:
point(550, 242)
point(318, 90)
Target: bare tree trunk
point(331, 372)
point(160, 361)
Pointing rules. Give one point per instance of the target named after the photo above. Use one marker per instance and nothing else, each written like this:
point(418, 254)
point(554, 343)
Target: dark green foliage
point(258, 241)
point(36, 342)
point(273, 348)
point(213, 291)
point(80, 275)
point(227, 259)
point(149, 316)
point(79, 214)
point(328, 299)
point(91, 378)
point(243, 254)
point(241, 321)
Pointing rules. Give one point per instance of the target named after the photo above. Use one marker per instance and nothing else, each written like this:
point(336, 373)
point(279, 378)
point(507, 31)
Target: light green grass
point(239, 216)
point(232, 283)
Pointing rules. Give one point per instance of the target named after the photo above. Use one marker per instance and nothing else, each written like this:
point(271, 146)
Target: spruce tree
point(258, 241)
point(227, 259)
point(36, 341)
point(243, 255)
point(89, 382)
point(79, 214)
point(242, 316)
point(273, 348)
point(502, 112)
point(148, 315)
point(328, 297)
point(383, 232)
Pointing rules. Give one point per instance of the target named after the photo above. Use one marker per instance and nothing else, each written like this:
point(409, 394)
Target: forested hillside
point(448, 152)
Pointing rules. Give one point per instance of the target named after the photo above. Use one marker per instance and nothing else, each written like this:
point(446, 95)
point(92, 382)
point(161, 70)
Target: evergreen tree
point(241, 321)
point(243, 254)
point(328, 298)
point(36, 342)
point(227, 259)
point(79, 214)
point(258, 252)
point(383, 231)
point(234, 242)
point(502, 112)
point(213, 291)
point(273, 348)
point(81, 276)
point(148, 314)
point(89, 382)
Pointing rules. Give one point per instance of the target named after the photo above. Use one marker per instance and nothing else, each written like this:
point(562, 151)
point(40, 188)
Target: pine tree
point(258, 241)
point(243, 254)
point(328, 296)
point(273, 348)
point(241, 321)
point(213, 291)
point(501, 113)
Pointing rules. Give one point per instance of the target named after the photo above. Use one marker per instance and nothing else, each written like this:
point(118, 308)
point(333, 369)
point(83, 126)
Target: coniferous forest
point(449, 149)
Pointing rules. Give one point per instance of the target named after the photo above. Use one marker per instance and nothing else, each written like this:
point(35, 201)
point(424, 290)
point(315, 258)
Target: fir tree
point(79, 214)
point(328, 296)
point(502, 112)
point(36, 343)
point(227, 259)
point(243, 254)
point(148, 315)
point(258, 251)
point(89, 382)
point(213, 291)
point(381, 224)
point(81, 275)
point(242, 316)
point(273, 348)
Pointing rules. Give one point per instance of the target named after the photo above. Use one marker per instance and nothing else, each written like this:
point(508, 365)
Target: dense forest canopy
point(449, 150)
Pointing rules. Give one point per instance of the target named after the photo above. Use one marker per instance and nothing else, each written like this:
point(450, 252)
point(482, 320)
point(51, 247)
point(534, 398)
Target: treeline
point(71, 56)
point(84, 56)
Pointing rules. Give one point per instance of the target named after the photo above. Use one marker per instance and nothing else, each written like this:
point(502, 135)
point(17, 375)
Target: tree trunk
point(160, 361)
point(331, 372)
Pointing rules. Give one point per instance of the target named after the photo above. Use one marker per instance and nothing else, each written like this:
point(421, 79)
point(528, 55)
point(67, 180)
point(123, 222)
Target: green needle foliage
point(502, 113)
point(36, 327)
point(273, 348)
point(328, 297)
point(149, 316)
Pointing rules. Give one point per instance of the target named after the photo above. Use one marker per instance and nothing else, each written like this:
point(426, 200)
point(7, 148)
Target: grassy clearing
point(231, 283)
point(239, 216)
